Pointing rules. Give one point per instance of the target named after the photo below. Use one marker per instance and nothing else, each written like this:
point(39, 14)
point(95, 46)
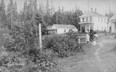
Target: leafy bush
point(23, 52)
point(40, 62)
point(63, 45)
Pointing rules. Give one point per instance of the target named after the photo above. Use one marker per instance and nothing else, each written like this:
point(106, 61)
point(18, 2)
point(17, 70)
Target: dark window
point(83, 19)
point(86, 19)
point(90, 19)
point(115, 25)
point(70, 30)
point(64, 30)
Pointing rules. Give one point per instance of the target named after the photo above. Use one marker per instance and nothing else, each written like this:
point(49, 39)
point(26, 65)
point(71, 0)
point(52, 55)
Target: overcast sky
point(102, 6)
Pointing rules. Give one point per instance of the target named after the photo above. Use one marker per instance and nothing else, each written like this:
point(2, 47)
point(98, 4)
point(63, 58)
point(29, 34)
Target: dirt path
point(103, 59)
point(107, 55)
point(102, 66)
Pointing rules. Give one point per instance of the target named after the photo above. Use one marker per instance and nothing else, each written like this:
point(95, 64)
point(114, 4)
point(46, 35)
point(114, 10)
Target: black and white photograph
point(57, 35)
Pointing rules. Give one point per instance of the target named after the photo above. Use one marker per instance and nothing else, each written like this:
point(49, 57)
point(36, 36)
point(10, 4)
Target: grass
point(82, 62)
point(87, 62)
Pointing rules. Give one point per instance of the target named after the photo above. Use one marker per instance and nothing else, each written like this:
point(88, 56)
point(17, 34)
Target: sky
point(102, 6)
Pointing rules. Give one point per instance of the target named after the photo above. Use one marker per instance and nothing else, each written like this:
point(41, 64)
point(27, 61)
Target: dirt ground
point(98, 58)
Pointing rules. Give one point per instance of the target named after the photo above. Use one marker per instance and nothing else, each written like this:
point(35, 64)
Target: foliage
point(14, 63)
point(19, 37)
point(22, 42)
point(60, 17)
point(2, 13)
point(63, 46)
point(12, 14)
point(109, 15)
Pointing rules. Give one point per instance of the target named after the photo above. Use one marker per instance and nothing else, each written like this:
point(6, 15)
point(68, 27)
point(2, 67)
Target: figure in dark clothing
point(91, 35)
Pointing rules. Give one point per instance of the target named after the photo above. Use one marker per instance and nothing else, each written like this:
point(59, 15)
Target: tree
point(109, 15)
point(27, 12)
point(61, 17)
point(76, 15)
point(2, 13)
point(57, 18)
point(47, 15)
point(12, 14)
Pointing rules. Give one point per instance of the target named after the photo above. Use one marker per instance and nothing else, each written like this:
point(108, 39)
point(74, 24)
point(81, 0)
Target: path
point(101, 64)
point(107, 55)
point(103, 59)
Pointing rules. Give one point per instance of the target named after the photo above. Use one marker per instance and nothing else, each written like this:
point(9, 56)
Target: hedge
point(63, 45)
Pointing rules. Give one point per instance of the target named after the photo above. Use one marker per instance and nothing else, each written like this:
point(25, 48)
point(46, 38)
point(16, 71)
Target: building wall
point(100, 23)
point(75, 30)
point(113, 27)
point(85, 23)
point(63, 30)
point(60, 30)
point(86, 19)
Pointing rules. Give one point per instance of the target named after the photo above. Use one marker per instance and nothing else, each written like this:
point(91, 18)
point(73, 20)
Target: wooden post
point(40, 36)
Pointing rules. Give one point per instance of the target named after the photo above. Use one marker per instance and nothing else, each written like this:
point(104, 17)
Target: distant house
point(60, 29)
point(93, 20)
point(112, 24)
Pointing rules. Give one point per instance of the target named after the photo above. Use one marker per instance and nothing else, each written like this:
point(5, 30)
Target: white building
point(60, 29)
point(112, 24)
point(93, 20)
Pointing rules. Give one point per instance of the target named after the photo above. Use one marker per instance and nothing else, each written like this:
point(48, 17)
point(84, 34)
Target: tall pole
point(40, 36)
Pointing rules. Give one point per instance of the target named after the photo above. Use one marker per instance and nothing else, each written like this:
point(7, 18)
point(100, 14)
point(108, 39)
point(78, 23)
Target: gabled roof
point(55, 26)
point(92, 14)
point(113, 18)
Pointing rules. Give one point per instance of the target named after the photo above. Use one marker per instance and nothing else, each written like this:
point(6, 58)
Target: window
point(64, 30)
point(82, 19)
point(101, 19)
point(86, 19)
point(70, 30)
point(90, 19)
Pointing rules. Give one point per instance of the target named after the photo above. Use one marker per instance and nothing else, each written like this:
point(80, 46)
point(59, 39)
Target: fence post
point(40, 37)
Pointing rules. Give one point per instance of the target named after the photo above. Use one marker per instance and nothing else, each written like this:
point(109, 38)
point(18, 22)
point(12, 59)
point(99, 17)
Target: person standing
point(91, 34)
point(87, 37)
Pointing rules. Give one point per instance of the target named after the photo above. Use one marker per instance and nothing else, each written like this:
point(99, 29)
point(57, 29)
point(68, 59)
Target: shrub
point(22, 42)
point(38, 61)
point(63, 45)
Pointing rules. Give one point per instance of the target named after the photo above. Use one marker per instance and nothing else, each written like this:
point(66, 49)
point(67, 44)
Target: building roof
point(91, 14)
point(113, 18)
point(55, 26)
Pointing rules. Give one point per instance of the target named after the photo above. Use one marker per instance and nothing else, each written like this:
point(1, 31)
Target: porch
point(85, 27)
